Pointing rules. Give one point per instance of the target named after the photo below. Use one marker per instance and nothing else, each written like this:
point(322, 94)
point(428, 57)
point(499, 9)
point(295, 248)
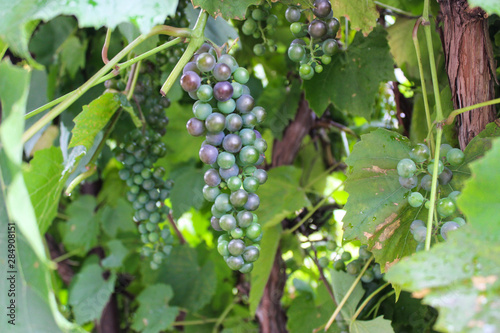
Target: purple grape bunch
point(225, 112)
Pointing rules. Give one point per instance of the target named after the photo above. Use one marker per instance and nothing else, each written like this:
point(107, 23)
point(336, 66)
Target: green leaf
point(284, 183)
point(89, 292)
point(459, 277)
point(154, 314)
point(305, 315)
point(341, 282)
point(117, 253)
point(479, 200)
point(119, 218)
point(92, 120)
point(194, 283)
point(73, 55)
point(363, 15)
point(262, 267)
point(489, 6)
point(17, 19)
point(377, 325)
point(81, 230)
point(226, 9)
point(217, 30)
point(189, 189)
point(45, 181)
point(352, 80)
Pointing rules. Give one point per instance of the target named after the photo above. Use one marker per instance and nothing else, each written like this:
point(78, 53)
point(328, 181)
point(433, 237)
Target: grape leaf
point(284, 183)
point(154, 314)
point(489, 6)
point(117, 253)
point(194, 283)
point(341, 282)
point(262, 267)
point(479, 200)
point(363, 15)
point(459, 277)
point(73, 55)
point(117, 218)
point(17, 19)
point(92, 120)
point(89, 292)
point(377, 325)
point(352, 80)
point(190, 193)
point(45, 181)
point(226, 9)
point(81, 230)
point(306, 314)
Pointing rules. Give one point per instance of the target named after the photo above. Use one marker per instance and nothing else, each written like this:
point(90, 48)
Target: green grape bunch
point(147, 188)
point(260, 23)
point(315, 42)
point(416, 173)
point(225, 112)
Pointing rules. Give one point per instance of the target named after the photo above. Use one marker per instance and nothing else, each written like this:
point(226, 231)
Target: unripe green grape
point(237, 233)
point(251, 254)
point(318, 69)
point(364, 253)
point(406, 168)
point(296, 28)
point(415, 199)
point(249, 27)
point(445, 207)
point(415, 224)
point(444, 149)
point(205, 93)
point(453, 196)
point(259, 49)
point(251, 184)
point(227, 107)
point(330, 46)
point(353, 268)
point(153, 237)
point(222, 248)
point(447, 227)
point(202, 110)
point(408, 183)
point(420, 153)
point(246, 268)
point(253, 231)
point(226, 160)
point(455, 156)
point(241, 76)
point(460, 221)
point(339, 265)
point(236, 247)
point(346, 256)
point(292, 14)
point(323, 262)
point(235, 263)
point(238, 198)
point(367, 276)
point(326, 59)
point(419, 234)
point(227, 222)
point(430, 167)
point(296, 52)
point(210, 193)
point(234, 183)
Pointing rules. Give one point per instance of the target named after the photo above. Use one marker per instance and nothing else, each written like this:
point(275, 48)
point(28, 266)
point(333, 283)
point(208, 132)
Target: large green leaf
point(363, 15)
point(119, 218)
point(154, 314)
point(460, 277)
point(341, 282)
point(377, 325)
point(489, 6)
point(226, 9)
point(262, 267)
point(92, 120)
point(352, 80)
point(17, 17)
point(188, 192)
point(81, 230)
point(194, 283)
point(480, 197)
point(283, 183)
point(45, 180)
point(89, 292)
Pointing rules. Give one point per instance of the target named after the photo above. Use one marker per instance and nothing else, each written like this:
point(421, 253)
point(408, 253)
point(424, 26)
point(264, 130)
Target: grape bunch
point(416, 172)
point(147, 190)
point(259, 24)
point(315, 42)
point(226, 114)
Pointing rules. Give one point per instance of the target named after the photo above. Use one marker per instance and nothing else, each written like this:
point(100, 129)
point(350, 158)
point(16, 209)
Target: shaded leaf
point(117, 253)
point(119, 218)
point(92, 120)
point(262, 267)
point(284, 183)
point(363, 15)
point(73, 55)
point(377, 325)
point(341, 282)
point(189, 189)
point(352, 80)
point(89, 293)
point(154, 314)
point(45, 182)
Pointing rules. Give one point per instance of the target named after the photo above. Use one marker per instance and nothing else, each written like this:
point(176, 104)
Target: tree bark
point(270, 314)
point(469, 63)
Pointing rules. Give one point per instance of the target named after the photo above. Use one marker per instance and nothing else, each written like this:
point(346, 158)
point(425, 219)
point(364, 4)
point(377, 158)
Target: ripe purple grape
point(195, 127)
point(190, 81)
point(208, 154)
point(223, 91)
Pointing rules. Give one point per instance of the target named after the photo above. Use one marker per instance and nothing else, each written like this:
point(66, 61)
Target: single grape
point(353, 268)
point(415, 199)
point(208, 154)
point(330, 46)
point(247, 136)
point(252, 203)
point(333, 26)
point(317, 28)
point(445, 176)
point(233, 122)
point(323, 262)
point(248, 155)
point(222, 248)
point(453, 196)
point(214, 139)
point(445, 207)
point(223, 91)
point(296, 52)
point(409, 183)
point(260, 114)
point(235, 263)
point(227, 222)
point(292, 14)
point(364, 253)
point(238, 198)
point(251, 254)
point(205, 62)
point(322, 8)
point(259, 49)
point(346, 256)
point(212, 177)
point(426, 182)
point(406, 168)
point(249, 120)
point(191, 66)
point(244, 219)
point(261, 176)
point(444, 149)
point(430, 167)
point(241, 75)
point(227, 107)
point(230, 61)
point(415, 224)
point(215, 122)
point(205, 93)
point(234, 183)
point(214, 222)
point(202, 110)
point(221, 71)
point(326, 59)
point(419, 234)
point(447, 227)
point(246, 268)
point(237, 89)
point(339, 265)
point(245, 103)
point(222, 203)
point(455, 156)
point(228, 173)
point(232, 143)
point(367, 277)
point(254, 230)
point(460, 221)
point(237, 233)
point(261, 145)
point(420, 153)
point(236, 247)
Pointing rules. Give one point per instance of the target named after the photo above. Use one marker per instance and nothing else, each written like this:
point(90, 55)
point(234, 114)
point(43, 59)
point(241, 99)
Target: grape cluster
point(170, 56)
point(315, 42)
point(147, 190)
point(416, 172)
point(258, 24)
point(226, 114)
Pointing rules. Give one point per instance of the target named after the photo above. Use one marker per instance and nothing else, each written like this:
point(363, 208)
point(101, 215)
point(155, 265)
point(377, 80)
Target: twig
point(177, 231)
point(322, 274)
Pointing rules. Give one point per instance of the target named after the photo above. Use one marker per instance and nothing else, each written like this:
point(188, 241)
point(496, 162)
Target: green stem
point(312, 211)
point(197, 39)
point(347, 295)
point(66, 255)
point(105, 47)
point(135, 75)
point(368, 299)
point(455, 113)
point(422, 80)
point(194, 322)
point(80, 178)
point(380, 301)
point(47, 118)
point(224, 314)
point(430, 215)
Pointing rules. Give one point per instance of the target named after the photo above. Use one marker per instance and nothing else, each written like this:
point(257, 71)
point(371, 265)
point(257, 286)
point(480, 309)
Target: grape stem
point(76, 94)
point(348, 294)
point(120, 66)
point(224, 314)
point(182, 240)
point(105, 47)
point(321, 273)
point(197, 39)
point(368, 299)
point(456, 112)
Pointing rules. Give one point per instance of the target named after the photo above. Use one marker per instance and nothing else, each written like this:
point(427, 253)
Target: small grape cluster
point(226, 114)
point(147, 190)
point(259, 24)
point(421, 164)
point(316, 43)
